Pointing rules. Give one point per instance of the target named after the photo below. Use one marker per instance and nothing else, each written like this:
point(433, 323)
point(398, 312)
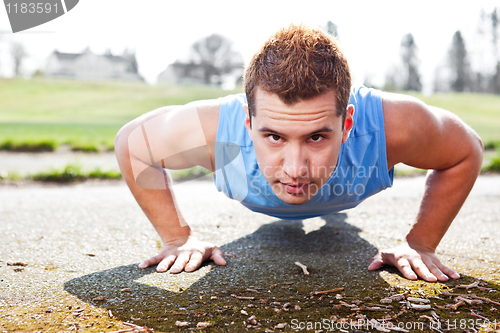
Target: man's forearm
point(162, 211)
point(158, 204)
point(445, 193)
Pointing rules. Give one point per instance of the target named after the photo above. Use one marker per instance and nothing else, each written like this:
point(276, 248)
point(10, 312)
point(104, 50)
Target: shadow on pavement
point(263, 268)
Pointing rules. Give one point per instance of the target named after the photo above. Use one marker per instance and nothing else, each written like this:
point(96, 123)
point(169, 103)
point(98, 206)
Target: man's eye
point(316, 138)
point(274, 138)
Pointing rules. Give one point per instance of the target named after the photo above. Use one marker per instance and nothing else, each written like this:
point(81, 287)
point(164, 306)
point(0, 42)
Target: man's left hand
point(412, 262)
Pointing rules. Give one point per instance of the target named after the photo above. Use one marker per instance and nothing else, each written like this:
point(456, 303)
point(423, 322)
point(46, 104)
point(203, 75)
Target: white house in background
point(93, 67)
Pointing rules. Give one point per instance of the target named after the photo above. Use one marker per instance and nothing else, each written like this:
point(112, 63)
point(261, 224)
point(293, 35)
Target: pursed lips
point(297, 188)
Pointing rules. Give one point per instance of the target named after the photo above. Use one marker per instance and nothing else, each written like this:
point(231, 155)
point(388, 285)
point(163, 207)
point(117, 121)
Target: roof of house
point(67, 56)
point(115, 58)
point(73, 56)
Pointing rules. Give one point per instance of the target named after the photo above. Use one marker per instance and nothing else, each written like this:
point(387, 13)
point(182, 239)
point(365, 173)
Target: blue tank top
point(361, 169)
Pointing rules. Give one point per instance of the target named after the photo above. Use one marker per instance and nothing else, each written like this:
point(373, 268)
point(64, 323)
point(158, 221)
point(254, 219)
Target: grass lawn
point(82, 113)
point(88, 114)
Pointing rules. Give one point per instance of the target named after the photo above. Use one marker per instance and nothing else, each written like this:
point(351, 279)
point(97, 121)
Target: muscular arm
point(429, 138)
point(174, 138)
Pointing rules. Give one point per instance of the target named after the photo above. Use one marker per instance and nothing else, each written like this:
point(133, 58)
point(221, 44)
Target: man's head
point(298, 86)
point(299, 63)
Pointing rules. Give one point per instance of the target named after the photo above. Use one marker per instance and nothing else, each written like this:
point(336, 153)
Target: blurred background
point(67, 86)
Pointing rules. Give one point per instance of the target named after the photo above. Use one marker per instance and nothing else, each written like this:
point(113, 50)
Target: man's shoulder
point(404, 118)
point(233, 101)
point(231, 127)
point(368, 110)
point(362, 91)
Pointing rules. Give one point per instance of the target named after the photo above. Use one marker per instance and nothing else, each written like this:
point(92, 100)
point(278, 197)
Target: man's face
point(297, 146)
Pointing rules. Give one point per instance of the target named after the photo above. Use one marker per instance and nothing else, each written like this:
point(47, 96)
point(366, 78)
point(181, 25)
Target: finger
point(421, 269)
point(405, 268)
point(194, 262)
point(435, 270)
point(165, 263)
point(448, 271)
point(180, 263)
point(151, 261)
point(376, 262)
point(218, 257)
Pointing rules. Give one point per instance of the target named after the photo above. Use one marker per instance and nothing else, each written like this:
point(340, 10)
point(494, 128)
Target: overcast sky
point(161, 31)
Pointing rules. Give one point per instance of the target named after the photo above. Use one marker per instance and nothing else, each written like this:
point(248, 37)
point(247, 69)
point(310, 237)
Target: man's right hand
point(186, 254)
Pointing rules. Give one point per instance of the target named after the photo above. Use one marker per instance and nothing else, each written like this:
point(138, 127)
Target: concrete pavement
point(63, 249)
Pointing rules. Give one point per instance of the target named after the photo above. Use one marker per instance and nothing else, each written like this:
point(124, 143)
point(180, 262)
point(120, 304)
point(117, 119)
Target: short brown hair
point(299, 63)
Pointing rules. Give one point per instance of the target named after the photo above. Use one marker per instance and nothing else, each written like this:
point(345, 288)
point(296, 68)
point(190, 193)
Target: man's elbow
point(122, 152)
point(480, 144)
point(476, 151)
point(121, 143)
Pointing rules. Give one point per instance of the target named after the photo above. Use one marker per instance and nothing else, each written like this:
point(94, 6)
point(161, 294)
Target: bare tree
point(409, 56)
point(216, 56)
point(483, 54)
point(18, 53)
point(479, 55)
point(332, 29)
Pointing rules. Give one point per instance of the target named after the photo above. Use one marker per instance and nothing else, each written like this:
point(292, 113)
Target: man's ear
point(348, 123)
point(247, 120)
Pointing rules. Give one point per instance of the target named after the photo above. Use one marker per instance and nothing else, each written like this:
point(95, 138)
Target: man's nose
point(295, 163)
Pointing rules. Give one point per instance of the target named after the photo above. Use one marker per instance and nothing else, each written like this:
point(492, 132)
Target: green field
point(87, 114)
point(82, 113)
